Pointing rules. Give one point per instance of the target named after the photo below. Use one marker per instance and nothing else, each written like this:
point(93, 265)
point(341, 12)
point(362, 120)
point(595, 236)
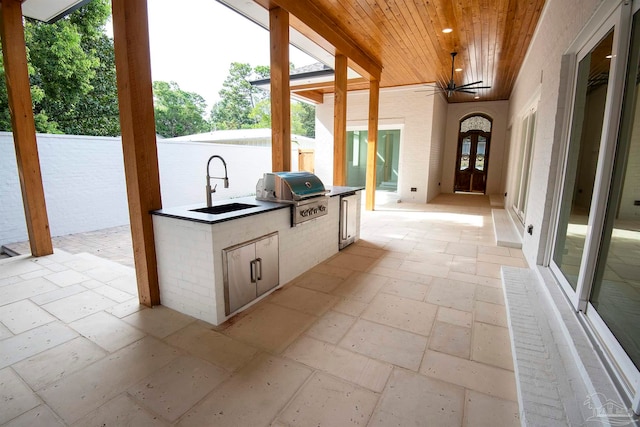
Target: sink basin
point(221, 209)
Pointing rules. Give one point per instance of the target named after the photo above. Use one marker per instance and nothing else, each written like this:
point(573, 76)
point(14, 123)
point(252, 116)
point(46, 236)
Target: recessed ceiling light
point(458, 69)
point(476, 97)
point(447, 30)
point(609, 56)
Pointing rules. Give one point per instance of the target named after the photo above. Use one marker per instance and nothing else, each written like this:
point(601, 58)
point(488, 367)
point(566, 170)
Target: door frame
point(461, 136)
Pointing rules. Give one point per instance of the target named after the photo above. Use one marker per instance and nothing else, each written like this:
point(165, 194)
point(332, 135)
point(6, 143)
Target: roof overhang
point(50, 11)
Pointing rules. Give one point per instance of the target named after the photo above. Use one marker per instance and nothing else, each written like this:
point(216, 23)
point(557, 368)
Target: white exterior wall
point(438, 143)
point(405, 109)
point(559, 25)
point(498, 111)
point(84, 184)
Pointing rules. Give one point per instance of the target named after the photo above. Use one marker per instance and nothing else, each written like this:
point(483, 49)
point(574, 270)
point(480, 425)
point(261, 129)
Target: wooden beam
point(309, 95)
point(309, 20)
point(340, 122)
point(327, 85)
point(137, 123)
point(372, 144)
point(280, 94)
point(23, 125)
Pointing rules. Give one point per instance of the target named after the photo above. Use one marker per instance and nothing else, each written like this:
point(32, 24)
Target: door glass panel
point(480, 152)
point(616, 291)
point(466, 153)
point(584, 144)
point(387, 159)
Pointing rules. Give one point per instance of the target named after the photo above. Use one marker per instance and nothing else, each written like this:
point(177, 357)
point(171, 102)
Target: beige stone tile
point(362, 250)
point(252, 397)
point(502, 260)
point(331, 327)
point(15, 397)
point(470, 251)
point(100, 382)
point(406, 289)
point(492, 345)
point(325, 400)
point(516, 253)
point(107, 331)
point(34, 341)
point(121, 411)
point(51, 365)
point(114, 294)
point(462, 265)
point(125, 308)
point(270, 327)
point(25, 289)
point(402, 246)
point(174, 389)
point(411, 399)
point(430, 245)
point(428, 257)
point(125, 283)
point(385, 343)
point(494, 250)
point(470, 374)
point(331, 270)
point(213, 346)
point(351, 261)
point(23, 315)
point(490, 313)
point(158, 321)
point(420, 267)
point(361, 287)
point(455, 317)
point(490, 294)
point(40, 416)
point(57, 294)
point(349, 366)
point(66, 278)
point(318, 281)
point(402, 275)
point(488, 269)
point(482, 410)
point(305, 300)
point(452, 294)
point(349, 307)
point(403, 313)
point(388, 262)
point(78, 305)
point(451, 339)
point(92, 284)
point(17, 267)
point(4, 332)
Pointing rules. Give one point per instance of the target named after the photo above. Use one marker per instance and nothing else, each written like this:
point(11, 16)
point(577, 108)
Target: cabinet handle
point(259, 262)
point(252, 268)
point(345, 210)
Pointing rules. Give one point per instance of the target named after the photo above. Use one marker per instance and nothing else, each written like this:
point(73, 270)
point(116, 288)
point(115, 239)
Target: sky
point(194, 44)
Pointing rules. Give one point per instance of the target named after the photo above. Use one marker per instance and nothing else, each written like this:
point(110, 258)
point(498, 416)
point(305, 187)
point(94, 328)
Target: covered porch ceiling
point(405, 38)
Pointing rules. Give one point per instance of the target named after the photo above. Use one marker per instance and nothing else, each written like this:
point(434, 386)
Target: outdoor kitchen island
point(196, 252)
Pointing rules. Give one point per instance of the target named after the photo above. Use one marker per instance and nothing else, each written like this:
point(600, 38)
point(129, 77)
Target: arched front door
point(472, 160)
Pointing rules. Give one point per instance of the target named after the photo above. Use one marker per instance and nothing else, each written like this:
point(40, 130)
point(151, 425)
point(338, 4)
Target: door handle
point(252, 268)
point(258, 261)
point(345, 210)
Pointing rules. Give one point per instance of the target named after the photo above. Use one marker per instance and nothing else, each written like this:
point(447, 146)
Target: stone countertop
point(186, 212)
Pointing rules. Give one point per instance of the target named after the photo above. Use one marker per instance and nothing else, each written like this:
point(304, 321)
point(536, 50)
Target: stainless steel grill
point(303, 190)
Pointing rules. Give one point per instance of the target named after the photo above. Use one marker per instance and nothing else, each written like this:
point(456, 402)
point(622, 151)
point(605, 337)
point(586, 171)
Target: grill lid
point(289, 186)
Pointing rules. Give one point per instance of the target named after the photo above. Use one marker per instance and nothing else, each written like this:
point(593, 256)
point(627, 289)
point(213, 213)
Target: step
point(505, 230)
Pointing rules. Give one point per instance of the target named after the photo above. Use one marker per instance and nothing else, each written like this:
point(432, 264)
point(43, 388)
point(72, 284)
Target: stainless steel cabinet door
point(267, 263)
point(241, 277)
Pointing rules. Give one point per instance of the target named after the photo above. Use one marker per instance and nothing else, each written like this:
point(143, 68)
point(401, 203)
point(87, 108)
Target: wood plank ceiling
point(405, 36)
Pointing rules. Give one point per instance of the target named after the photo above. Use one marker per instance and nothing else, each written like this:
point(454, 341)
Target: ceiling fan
point(451, 87)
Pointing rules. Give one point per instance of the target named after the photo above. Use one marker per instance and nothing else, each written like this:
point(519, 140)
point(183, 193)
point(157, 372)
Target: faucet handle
point(213, 190)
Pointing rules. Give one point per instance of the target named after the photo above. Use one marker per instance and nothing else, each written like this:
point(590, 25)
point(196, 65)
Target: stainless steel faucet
point(225, 179)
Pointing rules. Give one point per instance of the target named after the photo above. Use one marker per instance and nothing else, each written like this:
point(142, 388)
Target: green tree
point(303, 119)
point(178, 112)
point(72, 74)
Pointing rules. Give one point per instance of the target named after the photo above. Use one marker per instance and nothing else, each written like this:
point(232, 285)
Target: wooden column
point(137, 122)
point(340, 122)
point(24, 129)
point(372, 144)
point(280, 96)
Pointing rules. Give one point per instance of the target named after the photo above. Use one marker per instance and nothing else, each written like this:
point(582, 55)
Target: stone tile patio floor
point(405, 327)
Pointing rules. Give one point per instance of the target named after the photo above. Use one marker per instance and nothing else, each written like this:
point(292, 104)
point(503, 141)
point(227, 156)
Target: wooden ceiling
point(406, 38)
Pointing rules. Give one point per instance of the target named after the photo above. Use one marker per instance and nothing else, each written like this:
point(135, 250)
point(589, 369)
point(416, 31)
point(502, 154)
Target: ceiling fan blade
point(470, 84)
point(465, 91)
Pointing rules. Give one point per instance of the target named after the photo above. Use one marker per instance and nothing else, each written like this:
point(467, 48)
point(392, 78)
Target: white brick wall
point(189, 254)
point(404, 109)
point(559, 25)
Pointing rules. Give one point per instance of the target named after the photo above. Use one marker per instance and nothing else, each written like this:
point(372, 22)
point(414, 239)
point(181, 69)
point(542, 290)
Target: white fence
point(84, 182)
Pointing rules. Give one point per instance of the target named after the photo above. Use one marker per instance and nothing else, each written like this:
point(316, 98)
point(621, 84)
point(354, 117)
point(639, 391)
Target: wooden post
point(24, 130)
point(137, 123)
point(372, 144)
point(340, 122)
point(280, 96)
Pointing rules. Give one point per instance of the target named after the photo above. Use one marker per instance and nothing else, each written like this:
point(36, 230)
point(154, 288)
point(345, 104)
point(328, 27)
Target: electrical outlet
point(636, 203)
point(414, 189)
